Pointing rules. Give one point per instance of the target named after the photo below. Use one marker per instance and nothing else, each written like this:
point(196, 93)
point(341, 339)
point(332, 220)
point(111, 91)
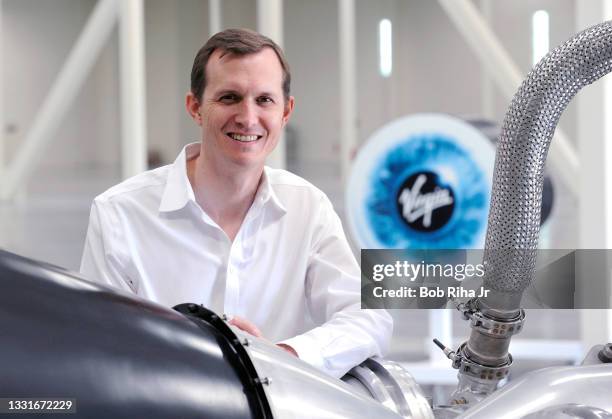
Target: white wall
point(434, 71)
point(311, 46)
point(37, 38)
point(174, 30)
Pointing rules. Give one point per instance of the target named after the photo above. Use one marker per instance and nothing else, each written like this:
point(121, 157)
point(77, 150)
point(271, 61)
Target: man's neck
point(224, 193)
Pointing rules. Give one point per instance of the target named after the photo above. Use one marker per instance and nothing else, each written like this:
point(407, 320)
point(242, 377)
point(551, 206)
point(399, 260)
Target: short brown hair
point(239, 42)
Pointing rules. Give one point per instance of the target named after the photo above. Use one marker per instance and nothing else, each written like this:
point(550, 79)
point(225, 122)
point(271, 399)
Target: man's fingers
point(288, 349)
point(250, 328)
point(245, 326)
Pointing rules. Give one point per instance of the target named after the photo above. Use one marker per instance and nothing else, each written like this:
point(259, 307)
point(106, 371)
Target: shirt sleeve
point(101, 262)
point(347, 334)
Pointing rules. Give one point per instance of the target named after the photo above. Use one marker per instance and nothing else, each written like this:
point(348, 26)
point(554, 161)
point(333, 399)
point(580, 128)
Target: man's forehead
point(224, 56)
point(265, 65)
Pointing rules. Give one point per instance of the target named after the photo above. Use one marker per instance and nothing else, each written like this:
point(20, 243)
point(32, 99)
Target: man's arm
point(101, 262)
point(347, 335)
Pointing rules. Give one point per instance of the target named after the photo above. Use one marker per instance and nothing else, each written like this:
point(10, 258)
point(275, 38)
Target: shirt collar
point(178, 191)
point(266, 193)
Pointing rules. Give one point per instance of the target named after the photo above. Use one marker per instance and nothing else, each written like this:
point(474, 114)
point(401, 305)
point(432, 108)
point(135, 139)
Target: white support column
point(66, 86)
point(214, 16)
point(2, 119)
point(133, 102)
point(487, 93)
point(595, 206)
point(348, 84)
point(270, 24)
point(507, 76)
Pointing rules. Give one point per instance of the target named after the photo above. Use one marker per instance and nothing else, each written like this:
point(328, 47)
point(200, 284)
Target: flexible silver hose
point(514, 215)
point(529, 124)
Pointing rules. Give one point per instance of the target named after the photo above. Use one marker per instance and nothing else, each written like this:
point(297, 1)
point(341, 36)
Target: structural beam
point(133, 102)
point(61, 96)
point(270, 24)
point(505, 73)
point(214, 16)
point(348, 85)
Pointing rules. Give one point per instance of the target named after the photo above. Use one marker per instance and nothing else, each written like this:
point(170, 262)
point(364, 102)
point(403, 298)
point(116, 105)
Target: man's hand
point(251, 329)
point(246, 326)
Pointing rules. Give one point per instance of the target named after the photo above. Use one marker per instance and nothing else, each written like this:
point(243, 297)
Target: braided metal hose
point(529, 124)
point(514, 216)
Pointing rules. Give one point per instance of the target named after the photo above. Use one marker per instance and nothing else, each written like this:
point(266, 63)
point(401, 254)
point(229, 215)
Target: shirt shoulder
point(147, 184)
point(283, 181)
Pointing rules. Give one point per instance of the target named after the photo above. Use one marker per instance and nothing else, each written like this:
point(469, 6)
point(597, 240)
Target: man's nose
point(247, 116)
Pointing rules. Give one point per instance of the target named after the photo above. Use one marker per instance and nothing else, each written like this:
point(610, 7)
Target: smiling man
point(219, 228)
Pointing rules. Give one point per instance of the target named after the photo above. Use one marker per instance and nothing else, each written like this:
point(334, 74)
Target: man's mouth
point(243, 138)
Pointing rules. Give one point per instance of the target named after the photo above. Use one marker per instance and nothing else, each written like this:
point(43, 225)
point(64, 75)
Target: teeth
point(244, 138)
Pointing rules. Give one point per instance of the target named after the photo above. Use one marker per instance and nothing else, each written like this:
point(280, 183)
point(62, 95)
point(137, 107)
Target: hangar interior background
point(335, 55)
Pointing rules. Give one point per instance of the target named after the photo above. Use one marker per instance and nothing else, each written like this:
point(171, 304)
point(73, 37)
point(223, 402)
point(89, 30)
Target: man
point(218, 228)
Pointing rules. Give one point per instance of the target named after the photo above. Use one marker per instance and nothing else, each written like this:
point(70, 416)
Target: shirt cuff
point(308, 350)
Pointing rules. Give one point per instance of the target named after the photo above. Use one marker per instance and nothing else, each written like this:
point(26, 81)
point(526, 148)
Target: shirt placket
point(237, 260)
point(232, 284)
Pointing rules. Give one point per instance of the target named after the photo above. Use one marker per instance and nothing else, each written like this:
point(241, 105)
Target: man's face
point(243, 110)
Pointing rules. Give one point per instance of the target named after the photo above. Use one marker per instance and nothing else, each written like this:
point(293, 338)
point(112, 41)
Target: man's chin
point(248, 161)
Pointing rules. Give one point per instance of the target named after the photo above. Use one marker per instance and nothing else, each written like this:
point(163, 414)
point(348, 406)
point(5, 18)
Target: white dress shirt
point(289, 270)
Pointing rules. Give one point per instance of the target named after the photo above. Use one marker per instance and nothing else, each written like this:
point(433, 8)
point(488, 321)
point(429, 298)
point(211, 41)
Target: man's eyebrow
point(237, 92)
point(271, 94)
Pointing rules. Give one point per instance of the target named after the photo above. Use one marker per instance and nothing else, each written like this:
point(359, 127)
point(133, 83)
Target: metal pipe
point(67, 85)
point(514, 216)
point(548, 388)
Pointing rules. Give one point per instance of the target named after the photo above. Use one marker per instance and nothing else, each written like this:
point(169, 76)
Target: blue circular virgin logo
point(422, 183)
point(427, 193)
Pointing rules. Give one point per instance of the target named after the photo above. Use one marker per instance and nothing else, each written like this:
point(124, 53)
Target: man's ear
point(289, 104)
point(192, 105)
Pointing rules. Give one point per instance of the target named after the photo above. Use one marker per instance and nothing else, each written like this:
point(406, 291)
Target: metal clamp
point(482, 372)
point(462, 363)
point(489, 326)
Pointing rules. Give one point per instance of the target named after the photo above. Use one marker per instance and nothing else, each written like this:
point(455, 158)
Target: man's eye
point(265, 99)
point(228, 98)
